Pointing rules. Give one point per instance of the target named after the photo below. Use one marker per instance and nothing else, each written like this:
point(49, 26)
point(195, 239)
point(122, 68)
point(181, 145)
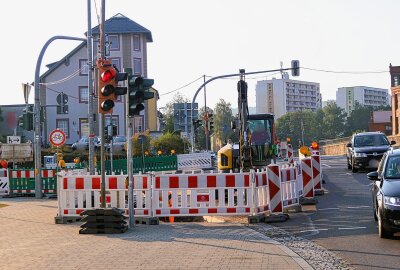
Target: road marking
point(323, 209)
point(326, 165)
point(313, 230)
point(352, 228)
point(361, 206)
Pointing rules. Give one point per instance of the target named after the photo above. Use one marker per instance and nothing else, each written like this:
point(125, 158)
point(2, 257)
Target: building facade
point(183, 116)
point(127, 48)
point(280, 96)
point(395, 91)
point(347, 97)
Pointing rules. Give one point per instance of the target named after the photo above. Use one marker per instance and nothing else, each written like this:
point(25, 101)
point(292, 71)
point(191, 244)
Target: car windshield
point(119, 139)
point(392, 170)
point(370, 140)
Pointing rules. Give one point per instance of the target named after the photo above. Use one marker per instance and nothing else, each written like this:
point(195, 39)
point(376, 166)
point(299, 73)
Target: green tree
point(222, 121)
point(334, 121)
point(170, 141)
point(137, 145)
point(358, 119)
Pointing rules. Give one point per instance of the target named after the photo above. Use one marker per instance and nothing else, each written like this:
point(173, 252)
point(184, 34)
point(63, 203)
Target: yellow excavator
point(256, 148)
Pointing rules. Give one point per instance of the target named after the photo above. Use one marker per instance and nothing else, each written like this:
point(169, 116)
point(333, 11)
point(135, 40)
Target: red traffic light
point(108, 75)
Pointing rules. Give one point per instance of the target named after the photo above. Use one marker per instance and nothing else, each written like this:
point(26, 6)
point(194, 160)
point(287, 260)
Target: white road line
point(361, 206)
point(326, 165)
point(323, 209)
point(352, 228)
point(313, 230)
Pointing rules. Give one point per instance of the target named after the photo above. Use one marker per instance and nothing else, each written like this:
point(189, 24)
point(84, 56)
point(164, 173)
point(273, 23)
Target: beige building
point(127, 48)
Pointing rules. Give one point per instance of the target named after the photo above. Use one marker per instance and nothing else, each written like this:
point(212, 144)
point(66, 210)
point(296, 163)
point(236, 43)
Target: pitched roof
point(119, 24)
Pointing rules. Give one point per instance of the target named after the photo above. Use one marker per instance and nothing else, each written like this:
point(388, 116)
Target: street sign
point(14, 139)
point(57, 137)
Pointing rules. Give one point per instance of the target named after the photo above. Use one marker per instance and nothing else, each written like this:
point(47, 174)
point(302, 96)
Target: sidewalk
point(31, 240)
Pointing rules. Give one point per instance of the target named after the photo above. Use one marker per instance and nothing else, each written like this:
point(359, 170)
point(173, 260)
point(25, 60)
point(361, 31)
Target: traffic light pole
point(90, 90)
point(37, 129)
point(221, 77)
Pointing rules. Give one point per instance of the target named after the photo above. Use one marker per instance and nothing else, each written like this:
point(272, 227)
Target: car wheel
point(353, 168)
point(383, 233)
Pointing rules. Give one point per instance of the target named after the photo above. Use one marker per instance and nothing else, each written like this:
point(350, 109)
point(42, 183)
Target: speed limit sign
point(57, 137)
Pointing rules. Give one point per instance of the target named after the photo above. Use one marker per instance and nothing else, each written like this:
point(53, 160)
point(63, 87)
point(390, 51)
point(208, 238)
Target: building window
point(83, 94)
point(114, 42)
point(84, 127)
point(136, 42)
point(63, 124)
point(138, 124)
point(83, 67)
point(137, 66)
point(116, 62)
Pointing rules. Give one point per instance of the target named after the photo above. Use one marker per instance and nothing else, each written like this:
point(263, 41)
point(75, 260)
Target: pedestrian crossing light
point(138, 93)
point(210, 121)
point(108, 79)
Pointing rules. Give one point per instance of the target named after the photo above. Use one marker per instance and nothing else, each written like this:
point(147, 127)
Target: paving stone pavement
point(30, 239)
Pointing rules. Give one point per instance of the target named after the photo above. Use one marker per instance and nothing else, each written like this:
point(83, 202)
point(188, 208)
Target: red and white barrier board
point(4, 182)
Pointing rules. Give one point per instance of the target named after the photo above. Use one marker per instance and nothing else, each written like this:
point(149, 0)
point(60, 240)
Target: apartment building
point(280, 96)
point(346, 97)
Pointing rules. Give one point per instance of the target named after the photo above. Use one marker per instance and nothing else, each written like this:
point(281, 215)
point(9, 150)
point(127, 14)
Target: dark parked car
point(386, 194)
point(366, 150)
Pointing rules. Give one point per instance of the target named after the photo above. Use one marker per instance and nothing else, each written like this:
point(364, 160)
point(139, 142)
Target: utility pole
point(206, 131)
point(90, 90)
point(102, 116)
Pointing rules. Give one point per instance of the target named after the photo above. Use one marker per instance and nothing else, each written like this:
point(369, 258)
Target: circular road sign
point(57, 137)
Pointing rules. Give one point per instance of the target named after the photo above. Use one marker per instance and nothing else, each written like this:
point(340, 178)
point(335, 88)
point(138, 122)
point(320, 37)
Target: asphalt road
point(343, 220)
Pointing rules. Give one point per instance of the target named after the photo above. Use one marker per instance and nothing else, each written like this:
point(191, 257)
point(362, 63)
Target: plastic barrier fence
point(23, 181)
point(202, 194)
point(4, 189)
point(79, 193)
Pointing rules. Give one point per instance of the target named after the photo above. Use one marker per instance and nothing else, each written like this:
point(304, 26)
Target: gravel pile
point(318, 257)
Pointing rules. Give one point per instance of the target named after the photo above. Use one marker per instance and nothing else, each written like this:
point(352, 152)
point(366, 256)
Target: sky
point(339, 43)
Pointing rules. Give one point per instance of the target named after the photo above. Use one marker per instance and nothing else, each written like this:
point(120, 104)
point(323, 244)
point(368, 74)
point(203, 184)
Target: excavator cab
point(261, 136)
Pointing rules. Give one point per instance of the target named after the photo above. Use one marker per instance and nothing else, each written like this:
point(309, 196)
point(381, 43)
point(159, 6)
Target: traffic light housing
point(197, 123)
point(108, 89)
point(138, 93)
point(25, 120)
point(295, 68)
point(210, 121)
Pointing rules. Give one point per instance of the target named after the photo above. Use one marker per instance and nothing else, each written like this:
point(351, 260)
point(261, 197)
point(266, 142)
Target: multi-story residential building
point(280, 96)
point(395, 90)
point(346, 97)
point(126, 48)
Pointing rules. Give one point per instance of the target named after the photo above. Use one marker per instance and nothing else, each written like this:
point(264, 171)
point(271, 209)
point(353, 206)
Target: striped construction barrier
point(317, 179)
point(307, 174)
point(23, 181)
point(4, 188)
point(290, 195)
point(290, 156)
point(261, 195)
point(274, 188)
point(202, 194)
point(80, 193)
point(194, 161)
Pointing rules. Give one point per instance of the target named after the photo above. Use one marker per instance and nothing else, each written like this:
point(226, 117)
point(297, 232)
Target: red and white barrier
point(261, 195)
point(4, 182)
point(307, 174)
point(202, 194)
point(274, 188)
point(290, 195)
point(316, 167)
point(79, 193)
point(290, 156)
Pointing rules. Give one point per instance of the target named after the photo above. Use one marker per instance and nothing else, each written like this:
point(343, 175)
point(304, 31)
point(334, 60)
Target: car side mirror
point(373, 176)
point(348, 145)
point(392, 142)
